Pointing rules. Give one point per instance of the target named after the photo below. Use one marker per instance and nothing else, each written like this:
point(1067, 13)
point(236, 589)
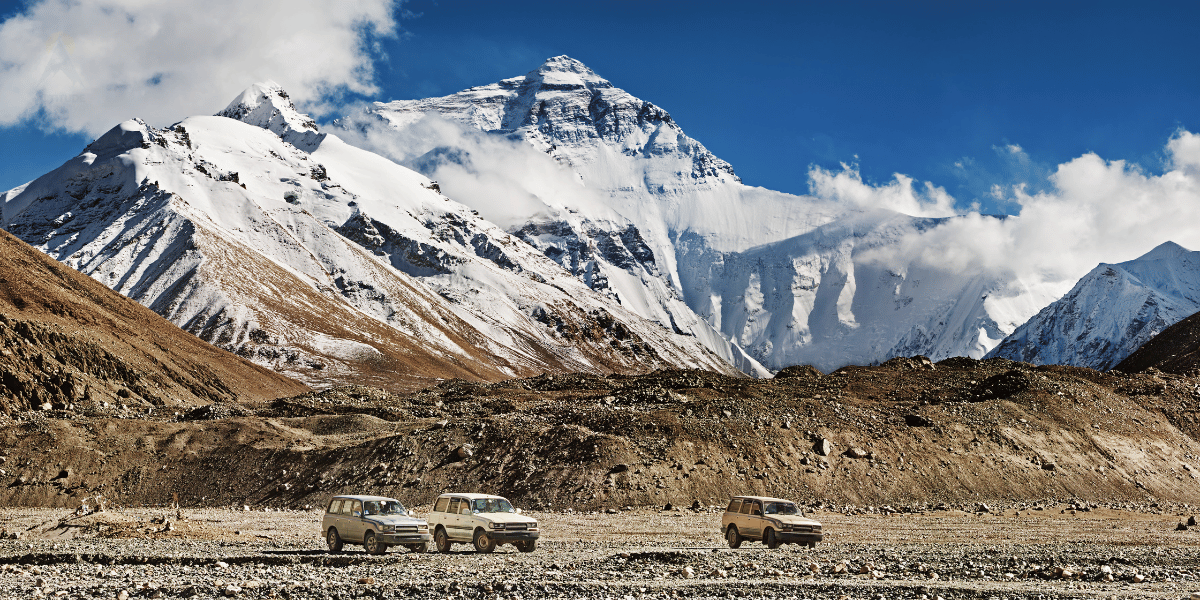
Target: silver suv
point(771, 520)
point(375, 522)
point(482, 520)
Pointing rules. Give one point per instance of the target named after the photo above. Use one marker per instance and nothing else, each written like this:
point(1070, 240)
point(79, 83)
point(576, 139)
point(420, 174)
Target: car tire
point(373, 545)
point(529, 546)
point(333, 540)
point(483, 542)
point(421, 548)
point(770, 540)
point(733, 537)
point(441, 540)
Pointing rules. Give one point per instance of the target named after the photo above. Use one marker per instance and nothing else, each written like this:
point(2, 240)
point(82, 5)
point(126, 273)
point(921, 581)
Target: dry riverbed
point(641, 553)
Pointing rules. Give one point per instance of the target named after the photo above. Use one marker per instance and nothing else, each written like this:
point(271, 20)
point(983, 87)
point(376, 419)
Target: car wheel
point(373, 545)
point(441, 540)
point(333, 540)
point(529, 546)
point(483, 542)
point(769, 539)
point(421, 548)
point(733, 537)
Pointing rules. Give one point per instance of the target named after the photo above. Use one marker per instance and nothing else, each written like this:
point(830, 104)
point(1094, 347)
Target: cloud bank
point(87, 65)
point(1095, 211)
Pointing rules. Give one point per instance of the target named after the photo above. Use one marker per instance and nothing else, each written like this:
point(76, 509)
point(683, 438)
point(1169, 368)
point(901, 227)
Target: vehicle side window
point(745, 508)
point(442, 504)
point(357, 507)
point(454, 504)
point(734, 506)
point(756, 509)
point(347, 506)
point(335, 506)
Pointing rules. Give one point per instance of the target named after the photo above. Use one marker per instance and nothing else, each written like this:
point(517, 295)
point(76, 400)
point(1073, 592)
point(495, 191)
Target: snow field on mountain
point(302, 252)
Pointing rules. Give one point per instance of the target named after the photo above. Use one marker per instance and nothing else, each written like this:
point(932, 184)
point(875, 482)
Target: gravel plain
point(1015, 552)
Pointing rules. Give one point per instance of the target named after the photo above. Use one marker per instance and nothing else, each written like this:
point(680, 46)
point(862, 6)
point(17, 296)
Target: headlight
point(533, 526)
point(388, 528)
point(423, 527)
point(496, 525)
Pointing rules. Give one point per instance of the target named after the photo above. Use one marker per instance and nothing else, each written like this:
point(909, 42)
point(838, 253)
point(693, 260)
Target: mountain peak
point(267, 105)
point(1165, 251)
point(565, 64)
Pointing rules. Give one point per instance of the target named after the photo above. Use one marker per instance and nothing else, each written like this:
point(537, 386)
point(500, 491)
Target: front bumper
point(501, 535)
point(398, 539)
point(798, 537)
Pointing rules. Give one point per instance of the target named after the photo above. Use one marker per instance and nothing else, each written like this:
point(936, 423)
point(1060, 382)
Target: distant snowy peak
point(1111, 311)
point(566, 110)
point(267, 105)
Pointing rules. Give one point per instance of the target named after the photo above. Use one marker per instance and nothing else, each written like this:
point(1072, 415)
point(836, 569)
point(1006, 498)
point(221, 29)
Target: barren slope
point(76, 345)
point(960, 431)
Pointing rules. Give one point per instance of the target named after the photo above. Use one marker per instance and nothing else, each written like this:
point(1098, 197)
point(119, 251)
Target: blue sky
point(940, 91)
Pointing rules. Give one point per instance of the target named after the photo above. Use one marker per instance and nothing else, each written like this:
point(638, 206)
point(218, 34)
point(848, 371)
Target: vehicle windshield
point(781, 508)
point(384, 507)
point(491, 505)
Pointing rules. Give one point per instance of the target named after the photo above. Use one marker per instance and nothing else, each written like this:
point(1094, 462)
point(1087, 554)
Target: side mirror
point(518, 511)
point(356, 513)
point(465, 511)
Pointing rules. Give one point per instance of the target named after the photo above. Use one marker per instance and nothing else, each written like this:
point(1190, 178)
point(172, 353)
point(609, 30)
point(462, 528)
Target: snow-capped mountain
point(256, 231)
point(638, 210)
point(1111, 312)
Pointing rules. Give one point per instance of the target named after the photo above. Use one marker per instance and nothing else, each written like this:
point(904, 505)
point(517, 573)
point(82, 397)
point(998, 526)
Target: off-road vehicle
point(375, 522)
point(770, 520)
point(483, 520)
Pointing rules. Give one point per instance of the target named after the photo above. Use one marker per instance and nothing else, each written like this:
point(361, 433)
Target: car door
point(742, 518)
point(333, 516)
point(353, 521)
point(454, 520)
point(754, 520)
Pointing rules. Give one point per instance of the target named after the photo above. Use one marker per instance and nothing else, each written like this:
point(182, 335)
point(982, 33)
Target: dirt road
point(642, 553)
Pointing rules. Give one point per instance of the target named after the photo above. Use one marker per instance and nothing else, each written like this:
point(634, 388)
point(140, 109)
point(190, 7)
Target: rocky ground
point(908, 433)
point(1051, 551)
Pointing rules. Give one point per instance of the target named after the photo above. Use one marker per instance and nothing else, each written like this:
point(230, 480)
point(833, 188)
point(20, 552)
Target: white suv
point(483, 520)
point(373, 521)
point(771, 520)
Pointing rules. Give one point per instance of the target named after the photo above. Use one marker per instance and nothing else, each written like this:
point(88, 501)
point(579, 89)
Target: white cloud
point(506, 180)
point(1095, 211)
point(848, 187)
point(87, 65)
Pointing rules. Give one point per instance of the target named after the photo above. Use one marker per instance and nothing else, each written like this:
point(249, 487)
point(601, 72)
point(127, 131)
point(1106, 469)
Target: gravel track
point(641, 553)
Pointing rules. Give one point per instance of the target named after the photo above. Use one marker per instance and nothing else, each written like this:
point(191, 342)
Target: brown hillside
point(906, 433)
point(73, 346)
point(1175, 350)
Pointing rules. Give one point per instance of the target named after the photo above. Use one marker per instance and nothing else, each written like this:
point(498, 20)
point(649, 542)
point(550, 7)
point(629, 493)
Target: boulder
point(856, 452)
point(823, 447)
point(799, 372)
point(914, 420)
